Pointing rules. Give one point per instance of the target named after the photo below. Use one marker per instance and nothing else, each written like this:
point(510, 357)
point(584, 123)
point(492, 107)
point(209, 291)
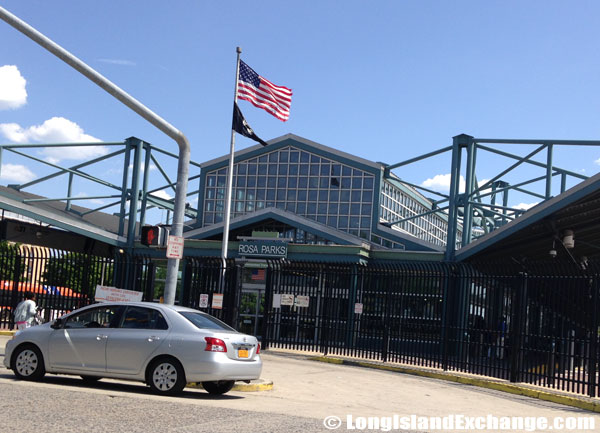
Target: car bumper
point(8, 353)
point(223, 368)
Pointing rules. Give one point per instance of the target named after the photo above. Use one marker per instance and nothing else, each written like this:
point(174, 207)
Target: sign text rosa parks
point(270, 249)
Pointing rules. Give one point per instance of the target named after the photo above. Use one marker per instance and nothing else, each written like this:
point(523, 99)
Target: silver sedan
point(165, 346)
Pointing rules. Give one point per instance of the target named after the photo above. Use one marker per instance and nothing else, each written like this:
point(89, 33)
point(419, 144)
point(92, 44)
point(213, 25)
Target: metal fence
point(63, 281)
point(537, 325)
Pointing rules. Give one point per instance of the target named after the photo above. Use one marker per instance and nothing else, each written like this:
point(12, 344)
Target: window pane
point(102, 317)
point(143, 318)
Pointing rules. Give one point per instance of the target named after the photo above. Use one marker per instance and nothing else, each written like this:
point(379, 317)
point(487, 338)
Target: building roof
point(533, 235)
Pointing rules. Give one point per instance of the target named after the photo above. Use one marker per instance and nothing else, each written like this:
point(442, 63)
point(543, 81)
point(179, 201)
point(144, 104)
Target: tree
point(10, 258)
point(78, 272)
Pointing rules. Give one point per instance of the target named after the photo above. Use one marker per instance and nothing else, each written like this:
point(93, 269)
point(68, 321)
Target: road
point(305, 392)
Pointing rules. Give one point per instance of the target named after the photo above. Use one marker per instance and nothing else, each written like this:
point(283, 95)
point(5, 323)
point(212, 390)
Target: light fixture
point(568, 239)
point(552, 252)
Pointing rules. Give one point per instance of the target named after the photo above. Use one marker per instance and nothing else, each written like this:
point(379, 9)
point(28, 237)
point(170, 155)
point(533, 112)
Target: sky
point(383, 80)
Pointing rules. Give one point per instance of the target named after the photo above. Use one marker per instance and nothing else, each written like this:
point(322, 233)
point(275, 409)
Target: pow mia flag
point(240, 125)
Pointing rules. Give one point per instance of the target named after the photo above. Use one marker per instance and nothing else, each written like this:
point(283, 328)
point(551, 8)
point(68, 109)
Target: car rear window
point(204, 321)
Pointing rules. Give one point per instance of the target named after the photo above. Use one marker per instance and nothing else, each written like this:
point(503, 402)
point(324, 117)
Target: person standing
point(26, 311)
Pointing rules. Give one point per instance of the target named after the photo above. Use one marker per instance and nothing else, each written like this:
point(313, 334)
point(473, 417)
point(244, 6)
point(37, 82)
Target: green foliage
point(9, 257)
point(79, 272)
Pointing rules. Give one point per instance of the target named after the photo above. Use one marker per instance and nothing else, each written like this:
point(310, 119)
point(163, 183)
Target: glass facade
point(301, 182)
point(397, 204)
point(327, 191)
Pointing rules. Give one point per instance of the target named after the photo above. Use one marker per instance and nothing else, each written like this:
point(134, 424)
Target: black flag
point(240, 125)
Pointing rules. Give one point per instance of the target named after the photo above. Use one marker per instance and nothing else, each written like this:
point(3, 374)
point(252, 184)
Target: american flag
point(258, 274)
point(264, 94)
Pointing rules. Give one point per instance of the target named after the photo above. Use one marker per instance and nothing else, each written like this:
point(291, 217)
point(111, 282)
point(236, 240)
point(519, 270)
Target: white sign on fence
point(112, 294)
point(175, 247)
point(287, 299)
point(302, 301)
point(358, 308)
point(276, 300)
point(203, 300)
point(217, 302)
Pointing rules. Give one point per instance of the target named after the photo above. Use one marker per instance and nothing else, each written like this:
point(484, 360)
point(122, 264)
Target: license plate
point(243, 353)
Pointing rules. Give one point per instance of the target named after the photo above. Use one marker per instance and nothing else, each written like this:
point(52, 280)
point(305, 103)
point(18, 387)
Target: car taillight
point(258, 348)
point(215, 345)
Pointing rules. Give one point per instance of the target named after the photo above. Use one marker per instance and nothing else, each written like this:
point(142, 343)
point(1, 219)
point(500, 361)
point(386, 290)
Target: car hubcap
point(164, 377)
point(27, 363)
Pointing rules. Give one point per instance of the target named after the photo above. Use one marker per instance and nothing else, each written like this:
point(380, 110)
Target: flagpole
point(229, 180)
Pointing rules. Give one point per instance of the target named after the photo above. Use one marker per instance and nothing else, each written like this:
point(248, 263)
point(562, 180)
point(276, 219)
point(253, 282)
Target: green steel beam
point(419, 158)
point(532, 162)
point(392, 223)
point(75, 167)
point(520, 161)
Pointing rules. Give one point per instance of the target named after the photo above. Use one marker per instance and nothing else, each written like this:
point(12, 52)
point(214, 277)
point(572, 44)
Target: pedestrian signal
point(151, 236)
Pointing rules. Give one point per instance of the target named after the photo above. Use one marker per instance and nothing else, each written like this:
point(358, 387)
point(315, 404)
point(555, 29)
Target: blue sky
point(384, 80)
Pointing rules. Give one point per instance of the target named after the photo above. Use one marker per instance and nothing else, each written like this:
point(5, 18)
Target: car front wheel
point(28, 363)
point(165, 376)
point(218, 387)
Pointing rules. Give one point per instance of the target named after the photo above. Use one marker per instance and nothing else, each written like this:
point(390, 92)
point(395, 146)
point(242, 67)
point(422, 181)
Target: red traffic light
point(151, 236)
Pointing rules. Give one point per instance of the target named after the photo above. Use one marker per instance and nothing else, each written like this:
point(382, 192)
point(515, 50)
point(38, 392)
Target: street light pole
point(143, 111)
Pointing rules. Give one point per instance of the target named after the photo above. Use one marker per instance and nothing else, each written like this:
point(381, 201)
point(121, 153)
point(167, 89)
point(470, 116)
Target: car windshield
point(204, 321)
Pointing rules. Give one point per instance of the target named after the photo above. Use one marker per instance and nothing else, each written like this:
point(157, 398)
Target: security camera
point(552, 253)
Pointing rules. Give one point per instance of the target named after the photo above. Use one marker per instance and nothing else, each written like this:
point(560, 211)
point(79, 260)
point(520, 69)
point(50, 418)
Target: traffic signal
point(152, 236)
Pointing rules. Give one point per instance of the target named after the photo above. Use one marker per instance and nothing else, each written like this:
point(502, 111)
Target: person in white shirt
point(26, 311)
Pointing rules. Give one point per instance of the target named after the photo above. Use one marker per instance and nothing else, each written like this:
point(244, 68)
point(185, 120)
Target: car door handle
point(153, 338)
point(101, 337)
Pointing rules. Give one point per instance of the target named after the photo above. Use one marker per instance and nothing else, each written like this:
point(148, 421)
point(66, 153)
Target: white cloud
point(525, 206)
point(162, 194)
point(12, 88)
point(441, 182)
point(152, 167)
point(16, 173)
point(120, 62)
point(56, 130)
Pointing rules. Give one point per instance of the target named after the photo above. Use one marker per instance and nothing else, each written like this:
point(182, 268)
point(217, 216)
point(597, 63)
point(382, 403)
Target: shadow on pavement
point(110, 385)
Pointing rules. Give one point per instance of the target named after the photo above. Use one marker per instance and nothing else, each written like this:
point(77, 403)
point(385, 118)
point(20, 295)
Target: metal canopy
point(543, 228)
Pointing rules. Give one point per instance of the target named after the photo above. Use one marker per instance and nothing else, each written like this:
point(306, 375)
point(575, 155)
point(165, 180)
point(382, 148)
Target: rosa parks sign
point(273, 249)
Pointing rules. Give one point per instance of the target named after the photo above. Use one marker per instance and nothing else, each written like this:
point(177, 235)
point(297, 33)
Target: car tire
point(27, 363)
point(165, 376)
point(90, 379)
point(218, 387)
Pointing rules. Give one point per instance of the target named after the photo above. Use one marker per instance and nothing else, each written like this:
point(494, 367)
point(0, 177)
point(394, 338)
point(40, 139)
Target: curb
point(580, 403)
point(8, 333)
point(253, 386)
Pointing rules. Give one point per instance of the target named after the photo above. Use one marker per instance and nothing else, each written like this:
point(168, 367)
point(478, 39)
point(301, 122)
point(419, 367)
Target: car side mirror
point(57, 324)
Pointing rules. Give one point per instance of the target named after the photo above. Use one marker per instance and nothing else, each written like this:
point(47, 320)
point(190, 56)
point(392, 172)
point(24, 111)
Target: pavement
point(520, 389)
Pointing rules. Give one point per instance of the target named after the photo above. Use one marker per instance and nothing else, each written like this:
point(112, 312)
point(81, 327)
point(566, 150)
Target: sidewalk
point(538, 392)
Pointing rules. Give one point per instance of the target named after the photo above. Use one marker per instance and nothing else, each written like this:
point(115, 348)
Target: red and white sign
point(112, 294)
point(358, 308)
point(203, 300)
point(217, 302)
point(175, 247)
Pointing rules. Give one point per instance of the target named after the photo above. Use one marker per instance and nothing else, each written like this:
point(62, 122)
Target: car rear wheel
point(28, 363)
point(165, 376)
point(218, 387)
